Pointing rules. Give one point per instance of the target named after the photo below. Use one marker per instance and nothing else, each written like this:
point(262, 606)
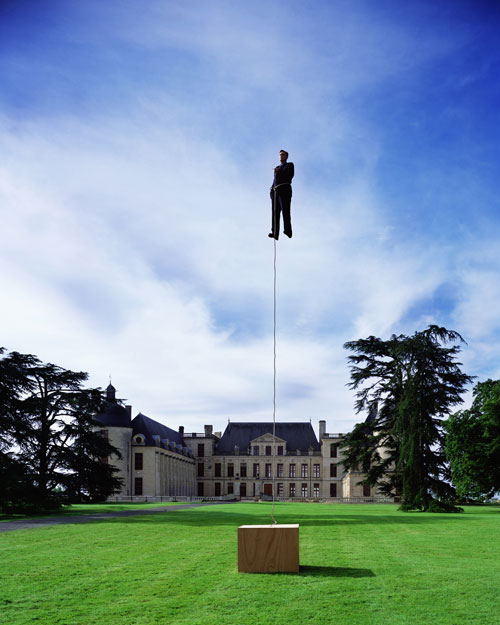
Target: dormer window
point(139, 439)
point(255, 450)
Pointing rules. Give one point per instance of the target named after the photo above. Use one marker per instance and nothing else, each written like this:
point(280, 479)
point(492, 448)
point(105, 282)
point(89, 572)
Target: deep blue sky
point(138, 142)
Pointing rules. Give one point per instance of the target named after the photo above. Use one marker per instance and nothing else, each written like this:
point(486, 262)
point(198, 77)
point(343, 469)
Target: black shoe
point(271, 236)
point(288, 234)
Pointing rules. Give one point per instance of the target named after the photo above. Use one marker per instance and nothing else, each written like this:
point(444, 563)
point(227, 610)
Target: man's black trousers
point(281, 205)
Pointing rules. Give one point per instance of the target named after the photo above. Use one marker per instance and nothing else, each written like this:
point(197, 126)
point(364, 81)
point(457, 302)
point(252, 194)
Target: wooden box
point(268, 548)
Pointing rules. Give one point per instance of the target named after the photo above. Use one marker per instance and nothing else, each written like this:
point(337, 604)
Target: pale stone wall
point(164, 473)
point(308, 472)
point(167, 473)
point(353, 490)
point(329, 459)
point(120, 437)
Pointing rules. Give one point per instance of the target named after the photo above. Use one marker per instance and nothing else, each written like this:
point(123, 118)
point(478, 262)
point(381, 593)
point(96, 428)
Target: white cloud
point(130, 265)
point(135, 237)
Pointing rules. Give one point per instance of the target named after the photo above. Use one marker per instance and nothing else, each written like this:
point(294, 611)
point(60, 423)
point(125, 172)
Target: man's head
point(283, 156)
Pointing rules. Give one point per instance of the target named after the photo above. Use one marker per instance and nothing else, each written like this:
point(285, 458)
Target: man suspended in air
point(281, 197)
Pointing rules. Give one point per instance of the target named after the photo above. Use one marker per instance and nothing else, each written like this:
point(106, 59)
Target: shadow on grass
point(255, 514)
point(196, 518)
point(334, 571)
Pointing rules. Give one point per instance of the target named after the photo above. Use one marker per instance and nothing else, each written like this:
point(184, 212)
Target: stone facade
point(245, 462)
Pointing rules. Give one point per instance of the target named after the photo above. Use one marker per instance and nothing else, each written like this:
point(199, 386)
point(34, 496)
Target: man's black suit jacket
point(283, 174)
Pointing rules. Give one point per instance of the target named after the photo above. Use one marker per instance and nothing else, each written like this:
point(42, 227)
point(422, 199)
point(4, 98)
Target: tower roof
point(110, 392)
point(114, 414)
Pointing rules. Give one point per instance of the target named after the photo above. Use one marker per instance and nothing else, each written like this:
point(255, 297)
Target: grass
point(89, 508)
point(360, 564)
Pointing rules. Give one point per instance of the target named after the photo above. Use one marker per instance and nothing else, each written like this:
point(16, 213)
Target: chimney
point(181, 430)
point(209, 430)
point(322, 429)
point(129, 410)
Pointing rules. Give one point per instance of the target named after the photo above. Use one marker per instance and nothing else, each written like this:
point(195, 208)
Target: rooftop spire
point(111, 392)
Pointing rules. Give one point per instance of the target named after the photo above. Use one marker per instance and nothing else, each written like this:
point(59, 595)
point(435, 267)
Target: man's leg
point(275, 218)
point(287, 221)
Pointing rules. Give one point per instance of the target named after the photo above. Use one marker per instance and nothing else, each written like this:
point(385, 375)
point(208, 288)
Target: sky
point(138, 142)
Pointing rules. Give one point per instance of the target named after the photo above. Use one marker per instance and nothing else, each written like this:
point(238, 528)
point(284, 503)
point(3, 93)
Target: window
point(217, 489)
point(201, 489)
point(138, 486)
point(230, 469)
point(333, 450)
point(138, 464)
point(280, 470)
point(217, 468)
point(256, 469)
point(292, 490)
point(105, 435)
point(366, 490)
point(304, 490)
point(243, 490)
point(291, 470)
point(201, 469)
point(280, 490)
point(316, 490)
point(254, 489)
point(268, 450)
point(230, 488)
point(280, 450)
point(316, 470)
point(268, 470)
point(201, 450)
point(303, 470)
point(333, 470)
point(333, 490)
point(255, 451)
point(243, 469)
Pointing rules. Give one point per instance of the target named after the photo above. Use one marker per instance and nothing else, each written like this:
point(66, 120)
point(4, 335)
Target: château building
point(243, 462)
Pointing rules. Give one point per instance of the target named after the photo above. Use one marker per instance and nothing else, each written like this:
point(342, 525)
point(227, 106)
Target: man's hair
point(284, 152)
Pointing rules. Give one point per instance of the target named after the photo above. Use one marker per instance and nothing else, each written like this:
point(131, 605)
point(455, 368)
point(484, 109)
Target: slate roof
point(114, 415)
point(149, 427)
point(297, 436)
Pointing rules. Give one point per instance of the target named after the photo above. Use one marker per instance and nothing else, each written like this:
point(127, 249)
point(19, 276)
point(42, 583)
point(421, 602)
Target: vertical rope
point(273, 468)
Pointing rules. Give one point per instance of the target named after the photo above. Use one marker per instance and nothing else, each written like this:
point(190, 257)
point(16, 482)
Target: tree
point(473, 443)
point(45, 409)
point(407, 384)
point(89, 477)
point(16, 490)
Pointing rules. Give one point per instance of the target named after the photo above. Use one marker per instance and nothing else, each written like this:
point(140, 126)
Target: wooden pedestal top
point(275, 526)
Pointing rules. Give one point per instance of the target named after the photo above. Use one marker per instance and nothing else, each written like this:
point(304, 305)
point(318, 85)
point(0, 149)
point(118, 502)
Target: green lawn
point(91, 508)
point(360, 564)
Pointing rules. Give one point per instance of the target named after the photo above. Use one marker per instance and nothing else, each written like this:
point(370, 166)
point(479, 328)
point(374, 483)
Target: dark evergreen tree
point(473, 444)
point(89, 476)
point(45, 408)
point(16, 490)
point(407, 384)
